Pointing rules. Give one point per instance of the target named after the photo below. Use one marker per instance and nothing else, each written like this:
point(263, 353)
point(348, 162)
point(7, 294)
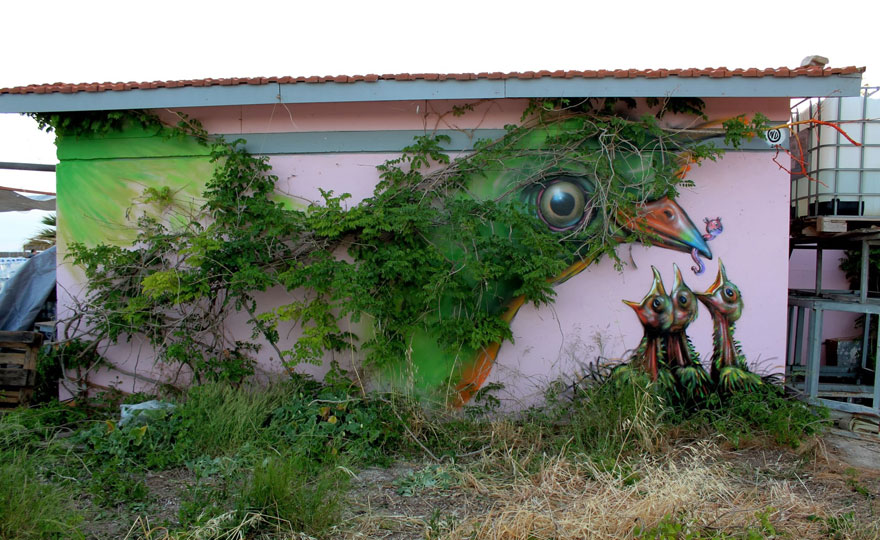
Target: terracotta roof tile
point(714, 73)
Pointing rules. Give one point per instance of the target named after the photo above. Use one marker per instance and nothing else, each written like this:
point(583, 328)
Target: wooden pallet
point(18, 366)
point(827, 225)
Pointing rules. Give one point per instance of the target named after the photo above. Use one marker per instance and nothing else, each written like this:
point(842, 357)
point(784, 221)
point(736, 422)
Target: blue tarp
point(23, 296)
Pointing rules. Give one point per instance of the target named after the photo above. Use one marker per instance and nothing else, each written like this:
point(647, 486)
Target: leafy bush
point(328, 421)
point(156, 445)
point(765, 412)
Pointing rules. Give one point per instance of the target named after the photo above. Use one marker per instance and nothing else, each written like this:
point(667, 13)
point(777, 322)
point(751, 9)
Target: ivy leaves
point(95, 123)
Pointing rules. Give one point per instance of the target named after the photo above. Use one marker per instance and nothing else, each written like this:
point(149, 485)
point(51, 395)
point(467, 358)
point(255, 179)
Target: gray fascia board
point(157, 98)
point(392, 91)
point(702, 87)
point(330, 92)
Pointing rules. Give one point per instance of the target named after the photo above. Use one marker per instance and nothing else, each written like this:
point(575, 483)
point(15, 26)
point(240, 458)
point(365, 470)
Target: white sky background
point(98, 41)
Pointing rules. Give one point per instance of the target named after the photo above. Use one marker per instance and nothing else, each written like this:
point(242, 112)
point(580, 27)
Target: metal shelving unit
point(835, 205)
point(815, 303)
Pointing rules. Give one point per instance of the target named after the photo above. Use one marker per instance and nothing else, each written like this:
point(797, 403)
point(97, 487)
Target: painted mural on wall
point(666, 354)
point(568, 208)
point(562, 193)
point(713, 229)
point(440, 259)
point(105, 185)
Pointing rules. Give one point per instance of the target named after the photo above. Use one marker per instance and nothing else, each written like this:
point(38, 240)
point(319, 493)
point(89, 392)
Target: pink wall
point(379, 115)
point(588, 321)
point(422, 115)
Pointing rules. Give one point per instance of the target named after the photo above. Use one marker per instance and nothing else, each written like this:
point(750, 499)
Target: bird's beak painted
point(717, 284)
point(665, 222)
point(670, 227)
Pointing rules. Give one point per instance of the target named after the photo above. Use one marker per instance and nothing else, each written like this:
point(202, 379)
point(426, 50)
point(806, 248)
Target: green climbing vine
point(428, 252)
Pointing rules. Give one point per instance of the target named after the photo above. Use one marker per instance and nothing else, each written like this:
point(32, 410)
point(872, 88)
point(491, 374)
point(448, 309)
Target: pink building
point(330, 133)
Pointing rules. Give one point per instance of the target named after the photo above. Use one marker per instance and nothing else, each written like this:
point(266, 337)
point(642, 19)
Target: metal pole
point(811, 382)
point(863, 273)
point(26, 166)
point(789, 343)
point(798, 335)
point(875, 404)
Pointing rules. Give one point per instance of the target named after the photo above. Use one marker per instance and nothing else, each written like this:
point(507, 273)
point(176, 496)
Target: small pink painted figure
point(713, 229)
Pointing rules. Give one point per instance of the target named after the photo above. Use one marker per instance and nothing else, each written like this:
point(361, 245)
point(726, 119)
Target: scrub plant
point(763, 413)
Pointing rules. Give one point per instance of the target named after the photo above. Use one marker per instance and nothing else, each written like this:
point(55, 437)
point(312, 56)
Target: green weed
point(293, 492)
point(838, 527)
point(431, 477)
point(31, 507)
point(27, 428)
point(217, 419)
point(681, 527)
point(440, 524)
point(612, 420)
point(852, 480)
point(115, 484)
point(210, 495)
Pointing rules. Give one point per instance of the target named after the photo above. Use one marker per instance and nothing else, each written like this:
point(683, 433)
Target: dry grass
point(700, 487)
point(570, 499)
point(226, 526)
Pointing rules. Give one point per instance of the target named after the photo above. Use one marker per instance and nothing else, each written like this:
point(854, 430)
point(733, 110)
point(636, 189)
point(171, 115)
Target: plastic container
point(841, 179)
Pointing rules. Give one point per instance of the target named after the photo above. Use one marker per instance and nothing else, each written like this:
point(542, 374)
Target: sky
point(99, 41)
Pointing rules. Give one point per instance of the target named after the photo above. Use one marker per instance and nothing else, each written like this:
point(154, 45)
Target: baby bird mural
point(666, 353)
point(684, 361)
point(729, 368)
point(655, 312)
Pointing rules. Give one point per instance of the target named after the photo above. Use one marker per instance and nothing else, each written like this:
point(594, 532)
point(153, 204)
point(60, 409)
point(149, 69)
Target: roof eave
point(393, 90)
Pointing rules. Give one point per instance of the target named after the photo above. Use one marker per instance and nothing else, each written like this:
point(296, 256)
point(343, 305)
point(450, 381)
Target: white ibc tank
point(843, 178)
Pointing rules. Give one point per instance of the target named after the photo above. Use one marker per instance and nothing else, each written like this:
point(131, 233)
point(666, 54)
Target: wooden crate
point(18, 366)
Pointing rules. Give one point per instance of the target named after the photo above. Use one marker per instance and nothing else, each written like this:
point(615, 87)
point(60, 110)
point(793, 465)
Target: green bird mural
point(585, 192)
point(729, 368)
point(692, 381)
point(657, 314)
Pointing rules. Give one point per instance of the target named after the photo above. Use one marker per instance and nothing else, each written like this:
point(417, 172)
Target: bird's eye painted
point(563, 205)
point(683, 299)
point(729, 293)
point(657, 304)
